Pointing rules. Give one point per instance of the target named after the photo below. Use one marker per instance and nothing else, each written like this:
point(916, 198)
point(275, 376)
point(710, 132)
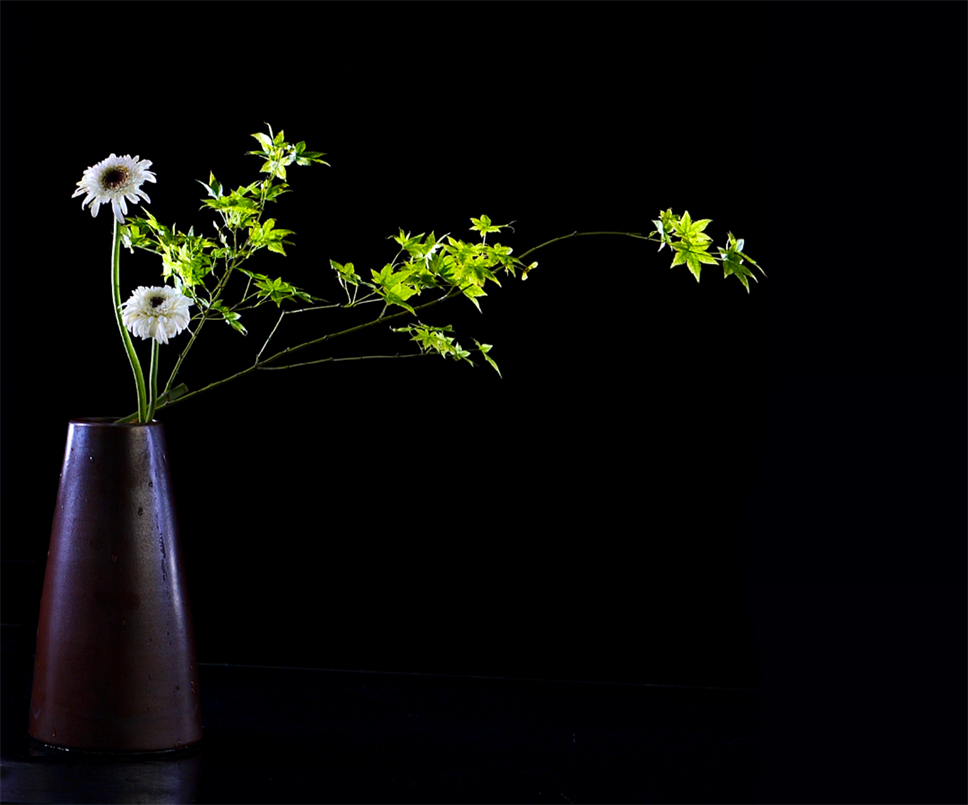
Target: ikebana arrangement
point(115, 667)
point(201, 267)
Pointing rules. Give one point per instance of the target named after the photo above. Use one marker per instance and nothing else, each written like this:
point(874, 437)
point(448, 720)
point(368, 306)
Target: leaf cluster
point(436, 340)
point(200, 266)
point(449, 265)
point(443, 268)
point(426, 262)
point(691, 245)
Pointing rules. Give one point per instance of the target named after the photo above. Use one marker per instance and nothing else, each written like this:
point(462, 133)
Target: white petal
point(92, 178)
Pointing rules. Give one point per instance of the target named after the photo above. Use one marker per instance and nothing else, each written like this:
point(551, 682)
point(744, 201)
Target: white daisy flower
point(160, 313)
point(113, 180)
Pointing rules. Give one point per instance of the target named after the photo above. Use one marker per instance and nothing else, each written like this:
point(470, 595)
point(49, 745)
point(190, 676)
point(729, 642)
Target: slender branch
point(339, 360)
point(286, 313)
point(317, 307)
point(194, 334)
point(365, 325)
point(635, 235)
point(278, 322)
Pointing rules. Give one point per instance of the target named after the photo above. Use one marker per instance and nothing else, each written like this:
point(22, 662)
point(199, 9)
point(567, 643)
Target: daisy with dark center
point(115, 180)
point(159, 313)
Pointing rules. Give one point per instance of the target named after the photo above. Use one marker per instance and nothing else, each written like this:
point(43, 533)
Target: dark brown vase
point(115, 669)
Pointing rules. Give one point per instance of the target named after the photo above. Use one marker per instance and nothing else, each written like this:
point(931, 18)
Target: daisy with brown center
point(159, 313)
point(115, 180)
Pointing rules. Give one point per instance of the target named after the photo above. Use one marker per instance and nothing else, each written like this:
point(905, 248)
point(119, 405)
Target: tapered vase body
point(115, 668)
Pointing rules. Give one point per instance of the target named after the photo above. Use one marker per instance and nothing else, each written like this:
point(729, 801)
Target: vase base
point(44, 749)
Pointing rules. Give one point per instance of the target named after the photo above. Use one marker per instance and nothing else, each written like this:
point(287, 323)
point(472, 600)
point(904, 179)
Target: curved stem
point(635, 235)
point(139, 377)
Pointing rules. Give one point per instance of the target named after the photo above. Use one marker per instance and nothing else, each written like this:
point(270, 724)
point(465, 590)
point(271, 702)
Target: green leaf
point(693, 247)
point(663, 234)
point(692, 230)
point(235, 202)
point(265, 234)
point(279, 291)
point(230, 317)
point(347, 273)
point(485, 349)
point(418, 249)
point(277, 190)
point(264, 141)
point(484, 225)
point(179, 391)
point(463, 252)
point(393, 286)
point(502, 255)
point(732, 258)
point(434, 339)
point(472, 292)
point(692, 255)
point(212, 187)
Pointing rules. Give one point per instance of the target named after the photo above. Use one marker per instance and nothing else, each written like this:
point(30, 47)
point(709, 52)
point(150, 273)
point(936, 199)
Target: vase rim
point(110, 422)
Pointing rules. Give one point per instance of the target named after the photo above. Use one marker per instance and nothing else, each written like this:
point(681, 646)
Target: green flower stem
point(139, 377)
point(153, 381)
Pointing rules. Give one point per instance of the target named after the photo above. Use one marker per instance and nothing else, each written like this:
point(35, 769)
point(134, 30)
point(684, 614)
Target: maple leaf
point(693, 248)
point(733, 257)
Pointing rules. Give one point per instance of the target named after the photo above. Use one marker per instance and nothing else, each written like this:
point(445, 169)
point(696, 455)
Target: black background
point(673, 483)
point(585, 520)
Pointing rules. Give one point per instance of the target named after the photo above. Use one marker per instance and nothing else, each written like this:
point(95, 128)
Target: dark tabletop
point(304, 735)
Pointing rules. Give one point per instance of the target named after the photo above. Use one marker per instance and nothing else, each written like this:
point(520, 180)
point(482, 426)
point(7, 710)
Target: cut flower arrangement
point(115, 668)
point(197, 270)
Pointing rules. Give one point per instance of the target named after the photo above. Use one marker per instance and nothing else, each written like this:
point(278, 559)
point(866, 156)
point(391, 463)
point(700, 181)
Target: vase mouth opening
point(110, 421)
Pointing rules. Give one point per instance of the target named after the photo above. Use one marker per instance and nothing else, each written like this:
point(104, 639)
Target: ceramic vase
point(115, 668)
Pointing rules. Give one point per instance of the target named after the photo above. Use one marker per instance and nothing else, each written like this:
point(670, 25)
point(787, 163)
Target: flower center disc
point(113, 178)
point(157, 301)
